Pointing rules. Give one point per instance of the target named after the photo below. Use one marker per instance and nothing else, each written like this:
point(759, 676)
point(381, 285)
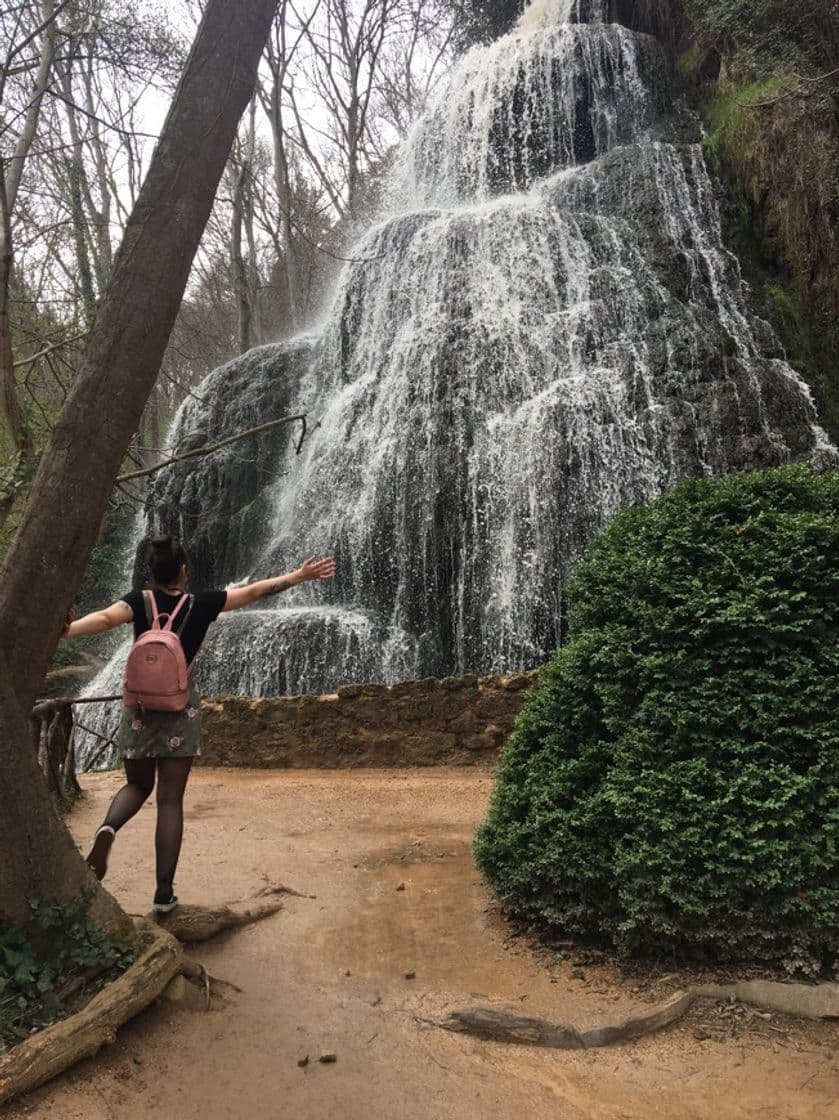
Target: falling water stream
point(542, 327)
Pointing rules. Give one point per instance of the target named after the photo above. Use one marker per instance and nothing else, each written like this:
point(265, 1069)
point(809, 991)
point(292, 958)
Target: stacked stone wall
point(457, 721)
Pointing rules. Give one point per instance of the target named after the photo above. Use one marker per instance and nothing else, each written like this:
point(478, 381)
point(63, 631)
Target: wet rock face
point(544, 327)
point(532, 103)
point(219, 505)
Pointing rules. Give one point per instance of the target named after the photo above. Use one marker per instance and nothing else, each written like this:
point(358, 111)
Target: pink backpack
point(156, 673)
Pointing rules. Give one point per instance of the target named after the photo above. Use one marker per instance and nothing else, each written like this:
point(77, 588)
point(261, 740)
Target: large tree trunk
point(40, 859)
point(68, 500)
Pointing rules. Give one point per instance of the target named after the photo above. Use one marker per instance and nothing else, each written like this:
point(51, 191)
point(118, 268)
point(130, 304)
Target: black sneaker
point(164, 903)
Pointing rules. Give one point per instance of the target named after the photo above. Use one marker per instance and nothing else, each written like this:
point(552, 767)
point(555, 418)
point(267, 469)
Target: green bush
point(671, 785)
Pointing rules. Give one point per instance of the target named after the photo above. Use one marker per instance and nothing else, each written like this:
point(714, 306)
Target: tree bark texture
point(39, 860)
point(68, 500)
point(136, 314)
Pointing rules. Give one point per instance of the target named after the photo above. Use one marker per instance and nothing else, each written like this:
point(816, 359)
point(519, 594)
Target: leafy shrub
point(672, 784)
point(47, 964)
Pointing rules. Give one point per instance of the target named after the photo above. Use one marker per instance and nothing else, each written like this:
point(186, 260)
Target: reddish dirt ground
point(328, 974)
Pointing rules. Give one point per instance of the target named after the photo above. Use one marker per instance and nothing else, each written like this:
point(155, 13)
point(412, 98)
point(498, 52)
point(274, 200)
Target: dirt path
point(329, 974)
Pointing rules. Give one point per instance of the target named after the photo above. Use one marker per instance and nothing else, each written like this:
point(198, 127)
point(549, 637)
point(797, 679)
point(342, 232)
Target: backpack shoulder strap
point(173, 615)
point(150, 607)
point(179, 629)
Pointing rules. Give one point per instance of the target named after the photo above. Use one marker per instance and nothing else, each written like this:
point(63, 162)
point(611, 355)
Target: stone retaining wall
point(457, 721)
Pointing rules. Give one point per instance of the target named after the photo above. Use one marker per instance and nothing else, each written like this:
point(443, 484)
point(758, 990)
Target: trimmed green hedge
point(672, 783)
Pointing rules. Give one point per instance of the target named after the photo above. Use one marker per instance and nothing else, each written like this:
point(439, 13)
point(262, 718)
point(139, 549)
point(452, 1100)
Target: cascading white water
point(547, 13)
point(544, 327)
point(528, 104)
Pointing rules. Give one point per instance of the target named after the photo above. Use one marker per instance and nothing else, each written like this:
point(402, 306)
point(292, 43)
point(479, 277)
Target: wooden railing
point(53, 738)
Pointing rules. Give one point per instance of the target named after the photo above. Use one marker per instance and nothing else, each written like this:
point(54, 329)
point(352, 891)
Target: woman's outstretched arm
point(98, 621)
point(310, 569)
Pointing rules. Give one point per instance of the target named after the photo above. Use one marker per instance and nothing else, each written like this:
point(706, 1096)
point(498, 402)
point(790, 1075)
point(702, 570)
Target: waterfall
point(529, 104)
point(546, 13)
point(543, 326)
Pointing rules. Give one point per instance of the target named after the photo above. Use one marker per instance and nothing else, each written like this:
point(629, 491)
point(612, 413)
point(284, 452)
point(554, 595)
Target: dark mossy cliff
point(764, 75)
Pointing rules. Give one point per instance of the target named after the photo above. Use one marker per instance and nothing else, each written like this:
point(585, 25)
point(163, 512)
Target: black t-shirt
point(206, 607)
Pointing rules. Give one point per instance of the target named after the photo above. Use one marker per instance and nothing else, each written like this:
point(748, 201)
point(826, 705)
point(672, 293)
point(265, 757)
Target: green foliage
point(672, 784)
point(10, 477)
point(764, 32)
point(728, 116)
point(481, 21)
point(50, 962)
point(756, 69)
point(102, 576)
point(105, 579)
point(793, 322)
point(808, 346)
point(807, 330)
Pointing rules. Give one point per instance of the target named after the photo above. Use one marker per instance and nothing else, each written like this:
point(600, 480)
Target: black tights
point(171, 774)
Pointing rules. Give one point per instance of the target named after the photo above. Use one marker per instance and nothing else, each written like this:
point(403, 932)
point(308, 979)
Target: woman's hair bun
point(166, 557)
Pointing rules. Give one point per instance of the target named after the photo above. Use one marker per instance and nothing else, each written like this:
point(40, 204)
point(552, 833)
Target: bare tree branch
point(49, 349)
point(201, 452)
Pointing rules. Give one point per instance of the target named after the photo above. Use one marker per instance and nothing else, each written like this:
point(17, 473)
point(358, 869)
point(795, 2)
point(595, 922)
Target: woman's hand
point(68, 622)
point(313, 569)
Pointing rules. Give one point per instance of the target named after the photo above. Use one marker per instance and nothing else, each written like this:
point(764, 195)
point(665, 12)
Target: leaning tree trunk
point(39, 858)
point(61, 522)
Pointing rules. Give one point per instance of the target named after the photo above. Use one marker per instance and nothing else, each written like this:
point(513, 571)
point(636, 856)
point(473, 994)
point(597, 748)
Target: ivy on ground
point(50, 964)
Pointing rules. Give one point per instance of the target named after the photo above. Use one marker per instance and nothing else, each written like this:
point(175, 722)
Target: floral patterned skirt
point(144, 734)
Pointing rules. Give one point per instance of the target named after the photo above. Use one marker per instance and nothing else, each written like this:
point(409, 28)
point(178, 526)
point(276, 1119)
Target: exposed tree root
point(160, 969)
point(819, 1001)
point(503, 1025)
point(56, 1048)
point(200, 923)
point(194, 989)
